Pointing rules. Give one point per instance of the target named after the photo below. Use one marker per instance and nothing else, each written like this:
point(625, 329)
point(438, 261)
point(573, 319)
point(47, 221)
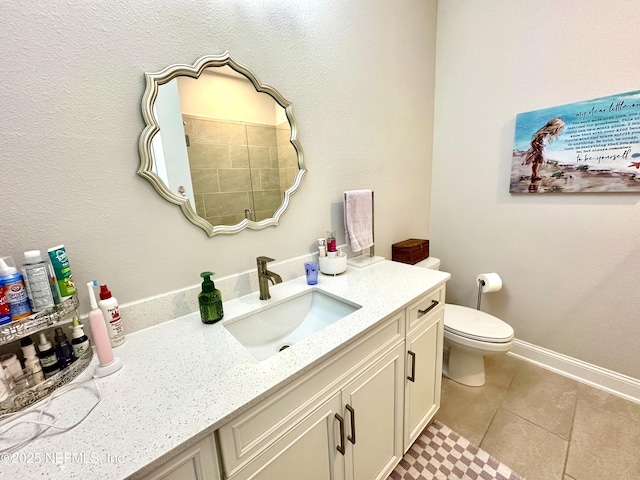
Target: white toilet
point(470, 335)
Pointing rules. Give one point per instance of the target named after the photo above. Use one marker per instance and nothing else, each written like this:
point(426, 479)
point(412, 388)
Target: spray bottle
point(110, 310)
point(108, 363)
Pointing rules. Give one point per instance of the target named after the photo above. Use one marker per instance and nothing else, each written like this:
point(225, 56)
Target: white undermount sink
point(268, 331)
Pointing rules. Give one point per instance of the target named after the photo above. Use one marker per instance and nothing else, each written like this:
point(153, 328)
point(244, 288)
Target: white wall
point(225, 97)
point(360, 75)
point(570, 263)
point(170, 142)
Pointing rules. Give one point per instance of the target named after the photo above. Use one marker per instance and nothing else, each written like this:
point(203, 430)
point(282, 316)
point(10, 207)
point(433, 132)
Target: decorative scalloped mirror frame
point(153, 81)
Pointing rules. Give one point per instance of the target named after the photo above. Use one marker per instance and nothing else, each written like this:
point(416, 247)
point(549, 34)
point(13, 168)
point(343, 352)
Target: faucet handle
point(264, 260)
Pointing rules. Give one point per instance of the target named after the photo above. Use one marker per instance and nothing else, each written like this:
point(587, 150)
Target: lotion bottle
point(108, 363)
point(110, 310)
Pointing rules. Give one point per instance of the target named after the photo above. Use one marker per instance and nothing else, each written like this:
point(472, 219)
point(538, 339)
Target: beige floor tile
point(611, 403)
point(604, 444)
point(500, 369)
point(544, 398)
point(469, 410)
point(530, 450)
point(466, 410)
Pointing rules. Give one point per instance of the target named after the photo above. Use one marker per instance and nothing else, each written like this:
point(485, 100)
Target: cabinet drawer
point(424, 308)
point(197, 462)
point(303, 452)
point(252, 432)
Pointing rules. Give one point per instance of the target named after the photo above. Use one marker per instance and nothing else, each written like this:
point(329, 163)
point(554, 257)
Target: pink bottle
point(108, 363)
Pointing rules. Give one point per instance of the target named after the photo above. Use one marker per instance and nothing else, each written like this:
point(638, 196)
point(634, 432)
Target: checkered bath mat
point(440, 453)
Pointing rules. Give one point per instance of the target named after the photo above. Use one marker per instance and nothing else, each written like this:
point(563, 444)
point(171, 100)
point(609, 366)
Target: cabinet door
point(308, 451)
point(198, 462)
point(423, 376)
point(373, 410)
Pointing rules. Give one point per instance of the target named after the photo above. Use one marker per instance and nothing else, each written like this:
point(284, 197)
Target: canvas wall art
point(590, 146)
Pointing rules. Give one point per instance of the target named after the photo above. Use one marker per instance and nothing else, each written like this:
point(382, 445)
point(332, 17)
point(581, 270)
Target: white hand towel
point(358, 221)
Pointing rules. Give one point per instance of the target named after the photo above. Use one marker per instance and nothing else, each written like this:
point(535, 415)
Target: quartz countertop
point(182, 379)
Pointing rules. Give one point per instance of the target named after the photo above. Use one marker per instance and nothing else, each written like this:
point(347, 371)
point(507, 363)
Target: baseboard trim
point(607, 380)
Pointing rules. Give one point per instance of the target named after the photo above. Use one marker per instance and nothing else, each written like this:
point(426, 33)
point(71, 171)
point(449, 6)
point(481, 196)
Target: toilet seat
point(476, 325)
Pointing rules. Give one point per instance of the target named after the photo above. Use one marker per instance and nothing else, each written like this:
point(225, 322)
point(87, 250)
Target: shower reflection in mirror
point(229, 146)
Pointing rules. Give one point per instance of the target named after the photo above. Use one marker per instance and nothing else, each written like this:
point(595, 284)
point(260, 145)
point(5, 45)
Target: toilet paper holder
point(488, 282)
point(481, 283)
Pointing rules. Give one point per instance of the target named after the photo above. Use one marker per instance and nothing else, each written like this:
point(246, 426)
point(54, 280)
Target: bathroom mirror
point(219, 144)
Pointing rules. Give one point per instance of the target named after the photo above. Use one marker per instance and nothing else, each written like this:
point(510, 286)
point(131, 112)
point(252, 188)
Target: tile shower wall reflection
point(237, 167)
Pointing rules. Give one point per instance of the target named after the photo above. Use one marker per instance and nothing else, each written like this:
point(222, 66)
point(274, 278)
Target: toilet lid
point(475, 324)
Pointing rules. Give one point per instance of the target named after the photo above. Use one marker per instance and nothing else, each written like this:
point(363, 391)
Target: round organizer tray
point(12, 331)
point(48, 386)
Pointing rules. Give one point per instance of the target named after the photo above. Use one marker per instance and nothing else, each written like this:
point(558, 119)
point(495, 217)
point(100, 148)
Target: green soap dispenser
point(210, 300)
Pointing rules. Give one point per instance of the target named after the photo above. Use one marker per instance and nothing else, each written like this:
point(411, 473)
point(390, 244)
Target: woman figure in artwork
point(535, 154)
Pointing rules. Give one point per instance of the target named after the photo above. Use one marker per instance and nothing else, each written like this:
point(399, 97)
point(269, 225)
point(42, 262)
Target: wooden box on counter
point(410, 251)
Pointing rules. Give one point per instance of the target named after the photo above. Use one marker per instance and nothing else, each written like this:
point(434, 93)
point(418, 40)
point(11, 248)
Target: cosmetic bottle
point(322, 247)
point(31, 360)
point(13, 288)
point(48, 357)
point(37, 275)
point(62, 270)
point(111, 312)
point(11, 365)
point(331, 242)
point(64, 351)
point(80, 342)
point(108, 364)
point(210, 300)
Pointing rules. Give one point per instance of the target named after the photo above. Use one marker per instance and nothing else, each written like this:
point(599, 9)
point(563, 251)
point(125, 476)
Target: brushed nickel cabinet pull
point(412, 377)
point(352, 437)
point(340, 447)
point(434, 304)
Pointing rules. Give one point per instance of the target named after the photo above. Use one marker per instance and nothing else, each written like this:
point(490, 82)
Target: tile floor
point(543, 425)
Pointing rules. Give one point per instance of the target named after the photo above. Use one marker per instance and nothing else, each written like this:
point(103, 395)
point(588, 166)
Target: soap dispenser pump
point(210, 300)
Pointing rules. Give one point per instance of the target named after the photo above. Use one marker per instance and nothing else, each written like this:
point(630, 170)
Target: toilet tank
point(431, 263)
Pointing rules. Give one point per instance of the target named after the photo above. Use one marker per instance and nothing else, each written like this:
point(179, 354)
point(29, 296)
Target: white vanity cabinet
point(197, 462)
point(344, 420)
point(425, 328)
point(373, 405)
point(350, 418)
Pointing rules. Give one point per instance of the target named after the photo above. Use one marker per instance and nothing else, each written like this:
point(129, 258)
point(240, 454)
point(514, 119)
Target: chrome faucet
point(265, 276)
